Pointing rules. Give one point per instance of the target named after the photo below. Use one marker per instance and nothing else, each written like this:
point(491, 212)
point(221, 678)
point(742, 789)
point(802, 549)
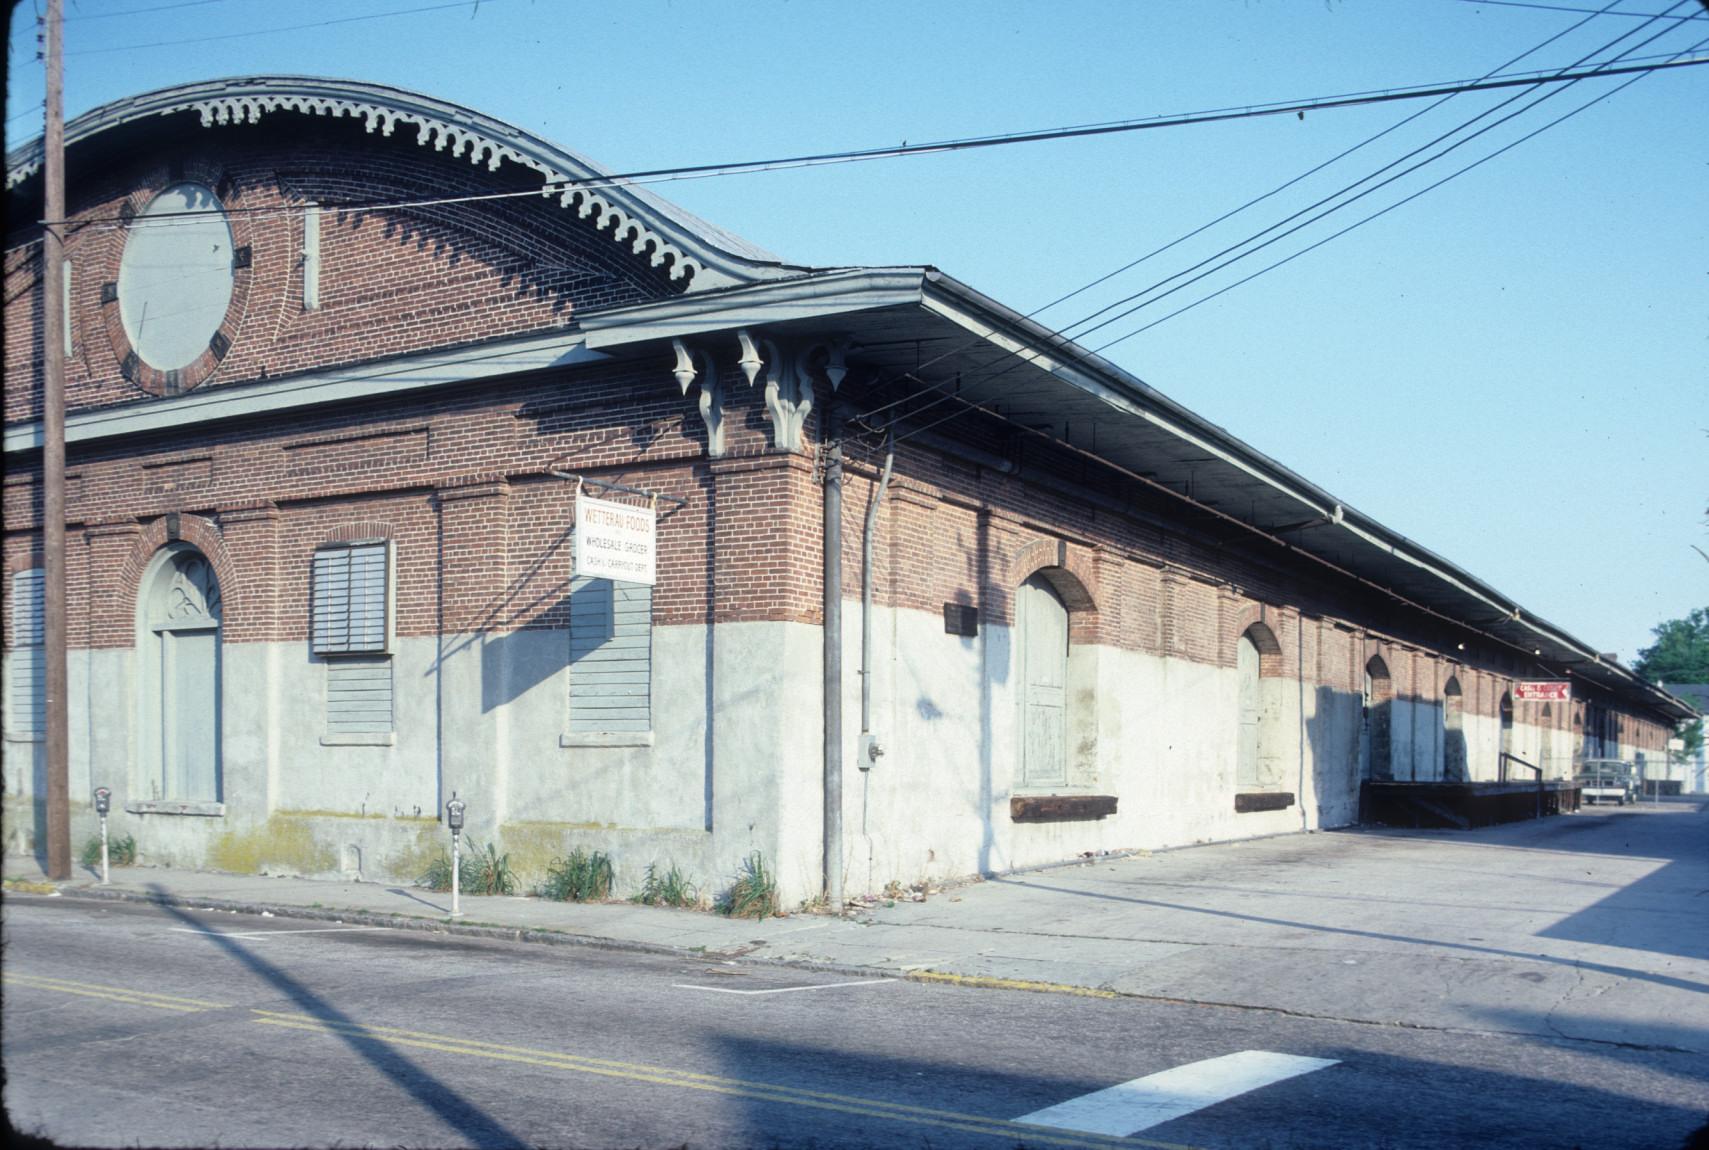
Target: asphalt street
point(128, 1024)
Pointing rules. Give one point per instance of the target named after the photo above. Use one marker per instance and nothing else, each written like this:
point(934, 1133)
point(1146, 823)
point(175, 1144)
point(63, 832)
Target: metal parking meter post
point(103, 804)
point(454, 819)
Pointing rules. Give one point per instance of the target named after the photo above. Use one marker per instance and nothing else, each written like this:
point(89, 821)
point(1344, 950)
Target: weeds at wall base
point(753, 894)
point(580, 877)
point(481, 872)
point(120, 852)
point(669, 889)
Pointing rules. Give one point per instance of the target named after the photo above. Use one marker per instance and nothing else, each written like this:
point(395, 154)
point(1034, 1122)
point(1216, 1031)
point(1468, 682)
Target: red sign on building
point(1543, 692)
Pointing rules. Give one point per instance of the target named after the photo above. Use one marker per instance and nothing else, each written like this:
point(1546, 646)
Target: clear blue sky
point(1512, 370)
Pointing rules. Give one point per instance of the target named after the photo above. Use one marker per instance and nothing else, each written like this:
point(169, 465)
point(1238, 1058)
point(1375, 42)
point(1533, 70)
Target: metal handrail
point(1507, 758)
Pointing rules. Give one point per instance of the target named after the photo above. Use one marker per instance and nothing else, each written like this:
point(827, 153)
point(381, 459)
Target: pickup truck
point(1607, 780)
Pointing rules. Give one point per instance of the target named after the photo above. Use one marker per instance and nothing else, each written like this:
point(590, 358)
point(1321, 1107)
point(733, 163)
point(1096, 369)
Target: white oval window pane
point(175, 277)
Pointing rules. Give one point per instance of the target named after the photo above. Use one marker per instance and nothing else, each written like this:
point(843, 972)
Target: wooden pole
point(53, 453)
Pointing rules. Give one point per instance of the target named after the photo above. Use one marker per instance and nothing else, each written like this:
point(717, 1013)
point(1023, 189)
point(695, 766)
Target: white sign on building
point(615, 541)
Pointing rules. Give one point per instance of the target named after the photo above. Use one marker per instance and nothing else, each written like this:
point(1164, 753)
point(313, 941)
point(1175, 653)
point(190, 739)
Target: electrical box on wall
point(961, 619)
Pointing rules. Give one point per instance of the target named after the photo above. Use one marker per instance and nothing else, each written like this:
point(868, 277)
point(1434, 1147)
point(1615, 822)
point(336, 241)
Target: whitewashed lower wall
point(947, 712)
point(734, 762)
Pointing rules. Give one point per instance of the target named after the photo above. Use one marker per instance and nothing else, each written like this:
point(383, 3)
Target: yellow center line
point(666, 1076)
point(112, 993)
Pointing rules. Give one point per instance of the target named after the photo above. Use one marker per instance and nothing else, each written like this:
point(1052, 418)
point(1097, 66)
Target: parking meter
point(454, 820)
point(103, 804)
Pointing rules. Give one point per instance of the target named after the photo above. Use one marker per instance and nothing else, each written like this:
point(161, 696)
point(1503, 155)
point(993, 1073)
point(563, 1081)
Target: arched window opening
point(179, 611)
point(1258, 710)
point(1453, 732)
point(1375, 758)
point(1506, 712)
point(1041, 619)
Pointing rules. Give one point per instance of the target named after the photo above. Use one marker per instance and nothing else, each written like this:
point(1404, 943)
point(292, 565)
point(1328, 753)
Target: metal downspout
point(866, 594)
point(833, 660)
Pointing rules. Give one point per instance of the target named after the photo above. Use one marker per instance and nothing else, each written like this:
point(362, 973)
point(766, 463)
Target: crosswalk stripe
point(1138, 1105)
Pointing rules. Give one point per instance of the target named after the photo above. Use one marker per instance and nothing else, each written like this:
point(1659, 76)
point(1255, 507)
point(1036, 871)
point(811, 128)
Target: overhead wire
point(644, 177)
point(1541, 98)
point(1236, 211)
point(1574, 8)
point(1454, 175)
point(969, 408)
point(328, 23)
point(140, 11)
point(1021, 356)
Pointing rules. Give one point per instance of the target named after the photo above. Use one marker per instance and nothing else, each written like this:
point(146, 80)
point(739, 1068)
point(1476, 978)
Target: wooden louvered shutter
point(611, 656)
point(26, 706)
point(350, 601)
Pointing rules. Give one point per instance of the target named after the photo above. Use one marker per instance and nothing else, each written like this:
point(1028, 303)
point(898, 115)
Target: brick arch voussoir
point(204, 536)
point(1071, 575)
point(1258, 620)
point(358, 530)
point(1384, 655)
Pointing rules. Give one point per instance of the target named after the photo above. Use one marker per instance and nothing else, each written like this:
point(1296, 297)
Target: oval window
point(175, 278)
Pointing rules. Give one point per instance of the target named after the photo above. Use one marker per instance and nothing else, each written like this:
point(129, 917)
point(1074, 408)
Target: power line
point(643, 177)
point(1022, 358)
point(1549, 95)
point(141, 11)
point(970, 407)
point(1383, 212)
point(270, 31)
point(1495, 71)
point(1592, 11)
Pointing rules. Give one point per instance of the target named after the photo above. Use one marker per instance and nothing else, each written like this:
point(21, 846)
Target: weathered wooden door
point(1246, 753)
point(182, 700)
point(1042, 621)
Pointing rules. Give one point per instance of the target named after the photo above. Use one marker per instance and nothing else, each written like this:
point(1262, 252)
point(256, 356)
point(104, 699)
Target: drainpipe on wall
point(1299, 680)
point(869, 748)
point(833, 687)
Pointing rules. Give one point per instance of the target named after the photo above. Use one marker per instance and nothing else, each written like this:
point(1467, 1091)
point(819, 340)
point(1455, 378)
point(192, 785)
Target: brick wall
point(462, 482)
point(393, 279)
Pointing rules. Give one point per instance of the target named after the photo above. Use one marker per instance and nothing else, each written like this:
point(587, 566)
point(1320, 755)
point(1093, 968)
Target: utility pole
point(833, 663)
point(53, 454)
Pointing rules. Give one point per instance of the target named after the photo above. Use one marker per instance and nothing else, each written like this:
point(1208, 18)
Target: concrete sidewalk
point(1592, 926)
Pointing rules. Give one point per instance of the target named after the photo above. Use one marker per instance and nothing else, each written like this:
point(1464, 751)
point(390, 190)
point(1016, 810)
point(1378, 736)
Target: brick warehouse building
point(340, 358)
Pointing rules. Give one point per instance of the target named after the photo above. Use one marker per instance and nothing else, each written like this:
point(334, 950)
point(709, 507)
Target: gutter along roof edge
point(1175, 418)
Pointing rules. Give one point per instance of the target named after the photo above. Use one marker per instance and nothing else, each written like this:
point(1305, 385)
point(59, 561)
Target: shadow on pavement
point(1370, 1098)
point(1293, 924)
point(398, 890)
point(433, 1093)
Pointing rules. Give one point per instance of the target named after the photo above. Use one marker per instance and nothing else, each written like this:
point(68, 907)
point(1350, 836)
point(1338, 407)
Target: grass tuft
point(580, 877)
point(120, 852)
point(482, 872)
point(753, 894)
point(669, 889)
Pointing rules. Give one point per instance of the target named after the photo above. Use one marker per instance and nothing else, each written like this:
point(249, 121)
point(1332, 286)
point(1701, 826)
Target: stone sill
point(369, 739)
point(37, 737)
point(175, 807)
point(606, 739)
point(1060, 808)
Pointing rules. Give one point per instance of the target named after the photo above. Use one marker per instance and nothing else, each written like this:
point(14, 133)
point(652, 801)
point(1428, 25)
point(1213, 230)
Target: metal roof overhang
point(918, 324)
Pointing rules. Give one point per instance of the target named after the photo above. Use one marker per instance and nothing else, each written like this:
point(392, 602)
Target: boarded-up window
point(611, 656)
point(359, 695)
point(350, 599)
point(26, 705)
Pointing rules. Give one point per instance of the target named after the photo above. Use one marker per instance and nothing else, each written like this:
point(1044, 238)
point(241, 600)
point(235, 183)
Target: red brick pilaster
point(474, 533)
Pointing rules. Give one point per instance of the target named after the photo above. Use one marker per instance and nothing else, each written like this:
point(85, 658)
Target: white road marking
point(779, 989)
point(266, 933)
point(1158, 1098)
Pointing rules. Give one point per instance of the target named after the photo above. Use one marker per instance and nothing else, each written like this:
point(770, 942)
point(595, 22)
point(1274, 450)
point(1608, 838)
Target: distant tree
point(1691, 741)
point(1680, 653)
